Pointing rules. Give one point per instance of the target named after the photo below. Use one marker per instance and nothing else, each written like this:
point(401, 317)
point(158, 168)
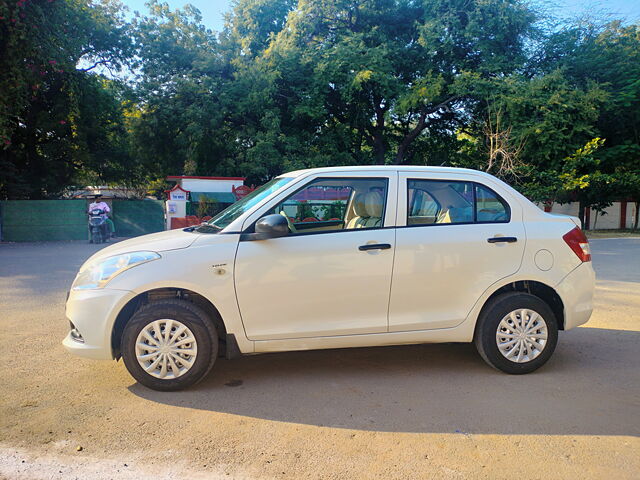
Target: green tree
point(577, 177)
point(293, 84)
point(376, 79)
point(179, 123)
point(603, 59)
point(56, 113)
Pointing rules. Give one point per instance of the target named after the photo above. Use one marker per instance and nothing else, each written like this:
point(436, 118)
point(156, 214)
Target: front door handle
point(502, 240)
point(374, 246)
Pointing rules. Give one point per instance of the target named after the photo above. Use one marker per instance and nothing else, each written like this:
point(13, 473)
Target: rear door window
point(423, 208)
point(490, 207)
point(444, 202)
point(439, 202)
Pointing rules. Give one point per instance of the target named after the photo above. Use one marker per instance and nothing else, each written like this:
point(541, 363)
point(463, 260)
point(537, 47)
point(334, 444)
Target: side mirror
point(271, 226)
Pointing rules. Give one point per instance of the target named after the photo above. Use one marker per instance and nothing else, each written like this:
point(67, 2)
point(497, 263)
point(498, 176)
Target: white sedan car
point(334, 258)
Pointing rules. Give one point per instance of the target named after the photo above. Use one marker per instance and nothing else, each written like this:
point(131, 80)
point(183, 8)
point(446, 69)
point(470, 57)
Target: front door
point(332, 274)
point(444, 261)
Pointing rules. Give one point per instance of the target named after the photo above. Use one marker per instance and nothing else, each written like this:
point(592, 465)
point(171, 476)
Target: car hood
point(155, 242)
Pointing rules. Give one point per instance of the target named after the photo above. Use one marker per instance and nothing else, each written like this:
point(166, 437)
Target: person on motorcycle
point(98, 203)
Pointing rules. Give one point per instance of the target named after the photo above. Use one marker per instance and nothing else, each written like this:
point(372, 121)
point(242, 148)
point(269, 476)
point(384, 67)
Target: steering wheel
point(289, 222)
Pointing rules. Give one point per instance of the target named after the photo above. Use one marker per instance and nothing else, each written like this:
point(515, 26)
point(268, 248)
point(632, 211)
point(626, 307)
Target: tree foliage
point(292, 84)
point(56, 117)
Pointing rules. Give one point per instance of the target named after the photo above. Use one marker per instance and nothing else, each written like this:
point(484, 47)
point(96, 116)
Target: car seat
point(361, 213)
point(368, 209)
point(375, 205)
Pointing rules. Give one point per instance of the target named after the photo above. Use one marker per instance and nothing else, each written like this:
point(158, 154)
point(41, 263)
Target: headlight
point(98, 273)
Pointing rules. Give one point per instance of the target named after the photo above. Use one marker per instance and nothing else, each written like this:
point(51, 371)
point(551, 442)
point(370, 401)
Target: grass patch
point(612, 233)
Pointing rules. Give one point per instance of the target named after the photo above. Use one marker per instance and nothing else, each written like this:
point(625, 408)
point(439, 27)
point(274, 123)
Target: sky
point(213, 10)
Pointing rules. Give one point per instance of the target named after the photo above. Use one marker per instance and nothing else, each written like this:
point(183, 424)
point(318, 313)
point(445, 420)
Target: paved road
point(425, 411)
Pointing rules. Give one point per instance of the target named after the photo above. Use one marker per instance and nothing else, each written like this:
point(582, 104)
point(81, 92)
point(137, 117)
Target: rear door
point(455, 238)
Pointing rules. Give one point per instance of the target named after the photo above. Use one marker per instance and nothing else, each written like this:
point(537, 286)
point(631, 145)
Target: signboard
point(178, 194)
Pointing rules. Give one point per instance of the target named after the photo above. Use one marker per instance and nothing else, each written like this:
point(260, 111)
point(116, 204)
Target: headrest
point(359, 206)
point(373, 201)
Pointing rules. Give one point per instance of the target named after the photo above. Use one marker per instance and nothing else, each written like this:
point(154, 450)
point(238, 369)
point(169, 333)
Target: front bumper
point(93, 313)
point(576, 292)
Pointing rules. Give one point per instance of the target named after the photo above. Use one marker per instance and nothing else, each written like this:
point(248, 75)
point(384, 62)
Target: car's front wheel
point(169, 345)
point(516, 333)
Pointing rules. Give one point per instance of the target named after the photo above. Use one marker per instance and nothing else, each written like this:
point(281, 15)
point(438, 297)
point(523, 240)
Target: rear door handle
point(502, 240)
point(374, 246)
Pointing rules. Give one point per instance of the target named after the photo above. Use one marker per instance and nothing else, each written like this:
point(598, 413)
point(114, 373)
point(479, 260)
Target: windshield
point(229, 214)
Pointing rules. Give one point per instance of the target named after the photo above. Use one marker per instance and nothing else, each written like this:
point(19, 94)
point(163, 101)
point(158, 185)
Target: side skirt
point(461, 333)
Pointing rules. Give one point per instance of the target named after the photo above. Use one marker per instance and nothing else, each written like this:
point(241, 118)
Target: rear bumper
point(93, 313)
point(576, 292)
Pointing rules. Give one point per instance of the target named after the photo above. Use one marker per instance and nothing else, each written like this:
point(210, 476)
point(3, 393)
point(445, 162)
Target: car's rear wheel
point(169, 345)
point(516, 333)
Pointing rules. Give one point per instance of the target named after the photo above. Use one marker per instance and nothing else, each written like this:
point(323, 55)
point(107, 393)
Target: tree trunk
point(419, 128)
point(378, 138)
point(637, 216)
point(400, 155)
point(378, 149)
point(582, 207)
point(409, 138)
point(33, 161)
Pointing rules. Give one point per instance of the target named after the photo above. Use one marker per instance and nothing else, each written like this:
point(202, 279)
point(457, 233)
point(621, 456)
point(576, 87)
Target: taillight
point(578, 242)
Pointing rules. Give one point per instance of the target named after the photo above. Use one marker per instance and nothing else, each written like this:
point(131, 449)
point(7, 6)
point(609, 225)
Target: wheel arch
point(148, 296)
point(533, 287)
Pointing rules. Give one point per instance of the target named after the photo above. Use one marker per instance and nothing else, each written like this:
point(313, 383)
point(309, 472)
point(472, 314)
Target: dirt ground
point(427, 411)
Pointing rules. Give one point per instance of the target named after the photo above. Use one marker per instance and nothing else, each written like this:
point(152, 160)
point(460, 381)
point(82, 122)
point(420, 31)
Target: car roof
point(384, 168)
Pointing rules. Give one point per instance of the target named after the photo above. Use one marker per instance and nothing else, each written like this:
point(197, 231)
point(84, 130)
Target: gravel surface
point(426, 411)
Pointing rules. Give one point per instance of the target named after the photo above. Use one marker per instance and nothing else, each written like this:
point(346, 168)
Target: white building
point(193, 188)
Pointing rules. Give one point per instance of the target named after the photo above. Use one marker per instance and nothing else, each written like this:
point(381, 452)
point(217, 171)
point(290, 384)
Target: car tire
point(516, 333)
point(177, 336)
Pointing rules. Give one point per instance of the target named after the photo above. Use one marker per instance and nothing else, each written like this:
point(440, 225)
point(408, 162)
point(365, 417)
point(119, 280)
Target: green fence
point(137, 217)
point(52, 220)
point(43, 220)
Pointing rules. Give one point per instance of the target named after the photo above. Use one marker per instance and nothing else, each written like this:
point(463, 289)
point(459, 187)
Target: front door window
point(334, 204)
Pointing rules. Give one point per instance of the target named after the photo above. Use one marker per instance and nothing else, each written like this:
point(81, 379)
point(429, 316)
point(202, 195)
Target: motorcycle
point(98, 228)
